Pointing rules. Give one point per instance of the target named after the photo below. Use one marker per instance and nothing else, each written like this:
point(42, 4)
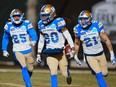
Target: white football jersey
point(19, 35)
point(52, 33)
point(90, 37)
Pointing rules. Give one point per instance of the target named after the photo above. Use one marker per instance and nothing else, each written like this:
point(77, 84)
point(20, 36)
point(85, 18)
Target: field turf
point(40, 78)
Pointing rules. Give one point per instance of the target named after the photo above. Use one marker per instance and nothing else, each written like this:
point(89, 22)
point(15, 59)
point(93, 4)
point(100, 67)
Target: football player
point(90, 33)
point(53, 33)
point(20, 31)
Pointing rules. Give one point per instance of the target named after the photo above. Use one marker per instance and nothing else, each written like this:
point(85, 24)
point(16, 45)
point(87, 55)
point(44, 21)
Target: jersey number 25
point(19, 38)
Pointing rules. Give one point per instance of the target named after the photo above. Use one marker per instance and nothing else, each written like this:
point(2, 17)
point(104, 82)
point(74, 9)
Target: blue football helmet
point(84, 18)
point(47, 13)
point(16, 13)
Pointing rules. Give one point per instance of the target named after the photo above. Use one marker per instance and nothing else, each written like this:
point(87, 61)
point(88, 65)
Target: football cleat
point(69, 80)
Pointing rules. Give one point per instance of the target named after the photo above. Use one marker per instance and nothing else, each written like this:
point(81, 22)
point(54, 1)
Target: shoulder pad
point(59, 18)
point(8, 23)
point(77, 26)
point(40, 22)
point(98, 23)
point(95, 22)
point(27, 21)
point(60, 22)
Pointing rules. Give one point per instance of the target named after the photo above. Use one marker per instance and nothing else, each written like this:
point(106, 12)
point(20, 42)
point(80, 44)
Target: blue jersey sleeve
point(100, 26)
point(40, 25)
point(5, 41)
point(32, 32)
point(60, 23)
point(76, 31)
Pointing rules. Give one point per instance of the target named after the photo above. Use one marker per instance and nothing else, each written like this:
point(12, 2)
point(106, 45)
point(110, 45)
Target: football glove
point(38, 58)
point(112, 58)
point(78, 62)
point(32, 43)
point(113, 61)
point(72, 53)
point(84, 60)
point(5, 54)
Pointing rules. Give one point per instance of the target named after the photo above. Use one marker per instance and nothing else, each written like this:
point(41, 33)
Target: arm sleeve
point(76, 31)
point(100, 27)
point(40, 43)
point(5, 41)
point(68, 38)
point(60, 23)
point(33, 34)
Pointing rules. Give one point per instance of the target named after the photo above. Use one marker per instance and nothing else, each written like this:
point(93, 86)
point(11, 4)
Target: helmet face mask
point(45, 17)
point(47, 13)
point(16, 16)
point(85, 18)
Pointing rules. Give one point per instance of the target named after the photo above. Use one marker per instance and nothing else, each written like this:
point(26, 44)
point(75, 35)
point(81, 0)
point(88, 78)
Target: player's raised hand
point(38, 58)
point(78, 62)
point(5, 54)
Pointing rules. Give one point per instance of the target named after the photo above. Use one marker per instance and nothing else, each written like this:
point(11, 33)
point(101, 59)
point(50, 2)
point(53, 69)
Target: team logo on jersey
point(23, 28)
point(6, 27)
point(61, 23)
point(75, 30)
point(12, 29)
point(30, 26)
point(94, 29)
point(100, 24)
point(83, 33)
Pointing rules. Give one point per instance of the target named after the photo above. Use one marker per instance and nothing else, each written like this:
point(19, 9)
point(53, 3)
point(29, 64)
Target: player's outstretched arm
point(40, 47)
point(109, 46)
point(33, 35)
point(5, 41)
point(67, 36)
point(76, 46)
point(69, 40)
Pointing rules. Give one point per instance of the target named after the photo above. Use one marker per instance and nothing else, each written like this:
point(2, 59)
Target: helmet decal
point(47, 13)
point(84, 18)
point(16, 13)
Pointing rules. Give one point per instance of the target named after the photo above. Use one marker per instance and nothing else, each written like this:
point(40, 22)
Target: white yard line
point(47, 71)
point(18, 85)
point(12, 84)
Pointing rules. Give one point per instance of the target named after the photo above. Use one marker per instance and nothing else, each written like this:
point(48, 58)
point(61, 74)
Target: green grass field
point(40, 78)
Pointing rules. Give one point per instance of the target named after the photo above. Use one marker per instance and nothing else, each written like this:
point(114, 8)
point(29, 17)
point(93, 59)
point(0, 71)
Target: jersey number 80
point(51, 37)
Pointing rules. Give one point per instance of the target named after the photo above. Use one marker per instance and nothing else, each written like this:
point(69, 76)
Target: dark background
point(69, 9)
